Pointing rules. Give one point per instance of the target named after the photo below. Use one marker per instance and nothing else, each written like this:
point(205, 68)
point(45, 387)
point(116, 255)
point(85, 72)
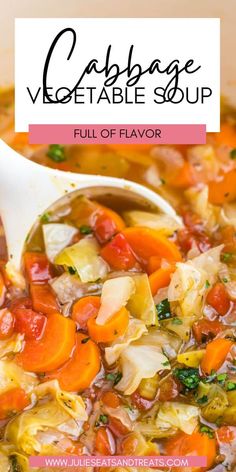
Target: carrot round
point(196, 444)
point(84, 309)
point(223, 189)
point(12, 401)
point(227, 135)
point(216, 352)
point(147, 242)
point(184, 178)
point(53, 349)
point(112, 329)
point(78, 373)
point(160, 278)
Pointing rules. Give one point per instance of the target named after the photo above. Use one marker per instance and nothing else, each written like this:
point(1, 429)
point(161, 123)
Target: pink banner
point(118, 461)
point(117, 134)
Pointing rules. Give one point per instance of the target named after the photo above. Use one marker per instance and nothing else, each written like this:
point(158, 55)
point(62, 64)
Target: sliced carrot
point(154, 263)
point(112, 329)
point(195, 444)
point(84, 309)
point(110, 399)
point(223, 189)
point(227, 135)
point(147, 242)
point(52, 349)
point(79, 372)
point(12, 401)
point(160, 278)
point(43, 298)
point(219, 299)
point(216, 352)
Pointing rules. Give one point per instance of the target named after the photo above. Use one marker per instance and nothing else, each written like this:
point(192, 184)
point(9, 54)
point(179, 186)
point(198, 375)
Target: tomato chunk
point(7, 322)
point(205, 329)
point(84, 309)
point(29, 323)
point(106, 223)
point(219, 299)
point(37, 267)
point(118, 253)
point(43, 298)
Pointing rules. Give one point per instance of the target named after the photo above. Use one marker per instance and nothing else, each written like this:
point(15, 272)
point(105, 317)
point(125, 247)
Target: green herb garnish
point(221, 378)
point(225, 280)
point(114, 377)
point(202, 400)
point(84, 229)
point(206, 430)
point(207, 284)
point(166, 363)
point(176, 321)
point(188, 376)
point(163, 310)
point(15, 467)
point(72, 270)
point(56, 152)
point(233, 154)
point(231, 386)
point(226, 256)
point(45, 218)
point(85, 340)
point(210, 377)
point(103, 419)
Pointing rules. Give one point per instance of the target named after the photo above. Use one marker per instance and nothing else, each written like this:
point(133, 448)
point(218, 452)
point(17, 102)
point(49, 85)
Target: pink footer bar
point(118, 461)
point(117, 134)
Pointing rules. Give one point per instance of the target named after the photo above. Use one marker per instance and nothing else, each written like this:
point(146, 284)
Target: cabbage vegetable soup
point(121, 340)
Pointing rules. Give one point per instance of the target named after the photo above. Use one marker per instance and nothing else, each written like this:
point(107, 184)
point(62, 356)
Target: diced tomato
point(84, 309)
point(226, 434)
point(204, 329)
point(169, 389)
point(118, 253)
point(106, 223)
point(43, 298)
point(193, 233)
point(7, 321)
point(219, 299)
point(110, 399)
point(104, 442)
point(37, 267)
point(12, 401)
point(117, 427)
point(28, 322)
point(141, 403)
point(2, 290)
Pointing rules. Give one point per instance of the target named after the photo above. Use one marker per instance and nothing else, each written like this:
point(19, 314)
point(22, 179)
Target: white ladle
point(28, 189)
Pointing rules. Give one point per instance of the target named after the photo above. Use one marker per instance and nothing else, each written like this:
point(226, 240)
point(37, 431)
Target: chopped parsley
point(225, 280)
point(45, 218)
point(226, 256)
point(210, 377)
point(189, 377)
point(221, 378)
point(231, 386)
point(163, 310)
point(85, 340)
point(176, 321)
point(85, 229)
point(207, 284)
point(206, 430)
point(56, 152)
point(202, 400)
point(15, 466)
point(233, 154)
point(72, 270)
point(114, 377)
point(103, 419)
point(166, 363)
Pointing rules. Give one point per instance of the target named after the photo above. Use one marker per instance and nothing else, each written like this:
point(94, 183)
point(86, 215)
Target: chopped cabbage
point(200, 205)
point(134, 331)
point(84, 258)
point(69, 288)
point(56, 237)
point(15, 276)
point(23, 431)
point(178, 415)
point(140, 362)
point(167, 342)
point(115, 295)
point(11, 345)
point(141, 304)
point(164, 223)
point(72, 404)
point(12, 375)
point(189, 282)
